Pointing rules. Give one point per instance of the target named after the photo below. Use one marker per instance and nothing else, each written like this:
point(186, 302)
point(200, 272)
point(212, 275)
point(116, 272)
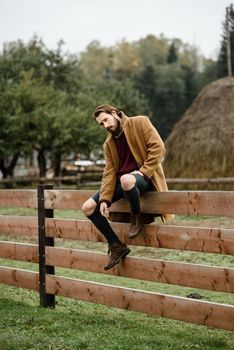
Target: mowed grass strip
point(78, 325)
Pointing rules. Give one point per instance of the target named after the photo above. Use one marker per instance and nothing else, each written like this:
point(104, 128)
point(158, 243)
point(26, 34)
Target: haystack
point(201, 145)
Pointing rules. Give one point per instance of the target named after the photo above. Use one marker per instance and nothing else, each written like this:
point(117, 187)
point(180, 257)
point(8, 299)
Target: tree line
point(48, 96)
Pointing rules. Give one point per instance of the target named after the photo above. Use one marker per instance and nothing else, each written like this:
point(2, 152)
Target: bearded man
point(133, 153)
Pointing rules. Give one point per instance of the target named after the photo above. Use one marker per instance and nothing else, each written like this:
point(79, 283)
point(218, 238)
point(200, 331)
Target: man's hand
point(104, 210)
point(137, 172)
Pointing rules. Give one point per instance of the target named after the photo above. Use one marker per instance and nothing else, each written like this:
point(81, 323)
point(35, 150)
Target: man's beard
point(118, 128)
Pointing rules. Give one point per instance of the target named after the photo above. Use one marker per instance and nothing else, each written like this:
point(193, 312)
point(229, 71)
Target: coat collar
point(125, 119)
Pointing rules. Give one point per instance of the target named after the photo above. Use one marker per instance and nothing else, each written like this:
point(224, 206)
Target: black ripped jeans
point(142, 185)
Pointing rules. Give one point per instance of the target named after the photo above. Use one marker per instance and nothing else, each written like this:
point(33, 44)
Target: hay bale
point(201, 144)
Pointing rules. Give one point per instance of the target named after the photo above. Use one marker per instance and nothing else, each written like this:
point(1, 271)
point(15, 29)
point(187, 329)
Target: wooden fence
point(199, 239)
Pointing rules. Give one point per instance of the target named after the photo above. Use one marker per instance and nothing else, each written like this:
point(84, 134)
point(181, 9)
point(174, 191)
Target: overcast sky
point(78, 22)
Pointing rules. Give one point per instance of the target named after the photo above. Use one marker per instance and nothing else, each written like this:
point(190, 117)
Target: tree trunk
point(3, 168)
point(8, 171)
point(41, 163)
point(57, 163)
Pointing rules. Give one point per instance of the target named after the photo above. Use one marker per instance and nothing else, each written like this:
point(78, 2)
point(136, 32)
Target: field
point(79, 325)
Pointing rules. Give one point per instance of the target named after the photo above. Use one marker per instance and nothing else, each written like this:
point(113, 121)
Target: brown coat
point(147, 148)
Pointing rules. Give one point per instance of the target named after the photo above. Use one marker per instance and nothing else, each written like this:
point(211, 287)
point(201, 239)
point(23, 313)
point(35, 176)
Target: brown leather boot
point(117, 251)
point(137, 225)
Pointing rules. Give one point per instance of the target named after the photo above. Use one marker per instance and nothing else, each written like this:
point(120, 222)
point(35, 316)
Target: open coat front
point(148, 150)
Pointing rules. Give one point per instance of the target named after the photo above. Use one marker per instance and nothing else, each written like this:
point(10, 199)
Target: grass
point(80, 325)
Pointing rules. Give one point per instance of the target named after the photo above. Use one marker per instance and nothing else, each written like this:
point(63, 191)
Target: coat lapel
point(114, 153)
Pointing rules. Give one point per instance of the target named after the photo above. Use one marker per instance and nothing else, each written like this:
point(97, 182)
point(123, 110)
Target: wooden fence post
point(46, 300)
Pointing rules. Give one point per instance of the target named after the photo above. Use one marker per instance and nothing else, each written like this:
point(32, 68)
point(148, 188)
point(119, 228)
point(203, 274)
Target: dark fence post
point(46, 300)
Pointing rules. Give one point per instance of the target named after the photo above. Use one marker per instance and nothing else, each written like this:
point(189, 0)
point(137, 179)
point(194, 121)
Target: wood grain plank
point(177, 273)
point(19, 225)
point(201, 239)
point(169, 272)
point(172, 202)
point(18, 198)
point(19, 251)
point(66, 199)
point(178, 308)
point(19, 278)
point(218, 203)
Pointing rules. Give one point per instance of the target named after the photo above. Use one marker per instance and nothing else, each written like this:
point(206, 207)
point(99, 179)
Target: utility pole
point(229, 59)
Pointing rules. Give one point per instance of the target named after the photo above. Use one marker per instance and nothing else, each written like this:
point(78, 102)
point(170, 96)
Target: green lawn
point(79, 325)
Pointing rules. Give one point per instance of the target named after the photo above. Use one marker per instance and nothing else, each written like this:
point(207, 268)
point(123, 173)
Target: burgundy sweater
point(127, 163)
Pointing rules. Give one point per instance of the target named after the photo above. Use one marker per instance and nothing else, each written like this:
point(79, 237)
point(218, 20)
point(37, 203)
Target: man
point(133, 153)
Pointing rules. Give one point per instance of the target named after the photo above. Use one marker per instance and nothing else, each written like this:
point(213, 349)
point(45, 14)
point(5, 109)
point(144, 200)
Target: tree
point(146, 63)
point(146, 83)
point(13, 129)
point(208, 74)
point(48, 97)
point(164, 87)
point(10, 145)
point(172, 54)
point(125, 60)
point(152, 51)
point(95, 60)
point(38, 101)
point(169, 98)
point(191, 85)
point(222, 59)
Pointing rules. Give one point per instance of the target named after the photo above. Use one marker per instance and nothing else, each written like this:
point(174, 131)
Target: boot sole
point(127, 251)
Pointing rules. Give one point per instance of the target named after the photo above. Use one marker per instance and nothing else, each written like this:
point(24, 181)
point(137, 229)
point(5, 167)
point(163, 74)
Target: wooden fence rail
point(178, 308)
point(185, 274)
point(200, 239)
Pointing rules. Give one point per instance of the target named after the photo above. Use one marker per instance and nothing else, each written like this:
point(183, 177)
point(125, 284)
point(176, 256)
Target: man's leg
point(118, 250)
point(133, 186)
point(91, 210)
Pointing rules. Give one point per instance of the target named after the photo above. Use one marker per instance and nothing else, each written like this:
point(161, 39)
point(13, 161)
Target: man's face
point(109, 122)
